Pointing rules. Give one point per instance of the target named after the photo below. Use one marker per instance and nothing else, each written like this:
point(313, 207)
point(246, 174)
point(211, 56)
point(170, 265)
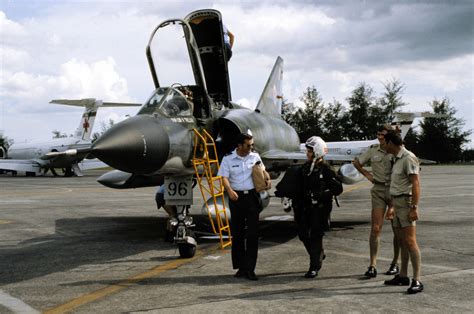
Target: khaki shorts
point(380, 196)
point(401, 205)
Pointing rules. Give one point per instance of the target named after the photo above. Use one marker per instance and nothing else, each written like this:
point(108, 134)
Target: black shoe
point(398, 281)
point(240, 273)
point(393, 270)
point(311, 273)
point(371, 272)
point(251, 275)
point(415, 287)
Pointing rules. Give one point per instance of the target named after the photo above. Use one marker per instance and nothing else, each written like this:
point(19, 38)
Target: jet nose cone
point(137, 145)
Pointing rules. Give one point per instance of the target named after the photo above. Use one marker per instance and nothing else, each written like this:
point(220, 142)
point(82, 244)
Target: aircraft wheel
point(186, 250)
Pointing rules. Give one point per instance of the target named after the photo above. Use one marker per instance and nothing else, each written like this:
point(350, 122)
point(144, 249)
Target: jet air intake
point(137, 145)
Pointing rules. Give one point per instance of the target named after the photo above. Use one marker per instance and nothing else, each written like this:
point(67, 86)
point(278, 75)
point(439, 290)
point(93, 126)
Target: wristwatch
point(414, 206)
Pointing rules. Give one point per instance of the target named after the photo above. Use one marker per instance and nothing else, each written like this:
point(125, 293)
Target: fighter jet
point(32, 157)
point(155, 147)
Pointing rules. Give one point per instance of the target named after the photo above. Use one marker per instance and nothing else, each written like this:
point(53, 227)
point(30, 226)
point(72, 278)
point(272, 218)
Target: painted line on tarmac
point(356, 187)
point(15, 305)
point(127, 283)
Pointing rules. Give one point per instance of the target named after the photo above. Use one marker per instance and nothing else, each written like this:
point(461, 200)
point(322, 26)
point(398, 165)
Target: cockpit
point(169, 101)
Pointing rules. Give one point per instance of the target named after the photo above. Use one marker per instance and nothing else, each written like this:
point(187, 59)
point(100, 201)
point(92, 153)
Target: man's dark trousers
point(244, 228)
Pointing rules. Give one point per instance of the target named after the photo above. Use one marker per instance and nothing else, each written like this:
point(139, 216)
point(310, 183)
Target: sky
point(96, 49)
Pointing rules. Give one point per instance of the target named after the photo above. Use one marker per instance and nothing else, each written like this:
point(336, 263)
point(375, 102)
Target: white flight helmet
point(318, 145)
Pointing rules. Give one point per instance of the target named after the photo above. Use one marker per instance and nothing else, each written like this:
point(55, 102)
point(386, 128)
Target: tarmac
point(72, 245)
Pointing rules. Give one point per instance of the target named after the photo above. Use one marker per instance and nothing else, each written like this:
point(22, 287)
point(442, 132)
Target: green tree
point(411, 142)
point(288, 111)
point(363, 114)
point(335, 122)
point(442, 138)
point(307, 121)
point(468, 155)
point(391, 100)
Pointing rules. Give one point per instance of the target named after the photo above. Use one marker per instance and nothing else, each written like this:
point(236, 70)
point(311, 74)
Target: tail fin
point(272, 96)
point(91, 105)
point(405, 119)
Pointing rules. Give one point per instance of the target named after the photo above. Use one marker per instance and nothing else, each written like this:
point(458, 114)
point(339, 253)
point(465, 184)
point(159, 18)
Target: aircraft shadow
point(100, 240)
point(92, 240)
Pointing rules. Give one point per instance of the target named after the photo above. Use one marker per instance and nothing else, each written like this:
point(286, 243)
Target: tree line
point(440, 138)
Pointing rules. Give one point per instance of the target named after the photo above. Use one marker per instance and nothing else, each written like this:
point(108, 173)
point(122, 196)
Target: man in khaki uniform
point(381, 163)
point(405, 192)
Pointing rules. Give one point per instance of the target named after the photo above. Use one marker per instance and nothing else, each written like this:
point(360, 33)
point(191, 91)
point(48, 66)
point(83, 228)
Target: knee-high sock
point(405, 259)
point(415, 258)
point(374, 242)
point(396, 250)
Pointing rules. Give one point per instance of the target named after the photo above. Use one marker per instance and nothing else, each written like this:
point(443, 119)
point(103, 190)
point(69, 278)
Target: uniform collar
point(379, 148)
point(235, 155)
point(402, 152)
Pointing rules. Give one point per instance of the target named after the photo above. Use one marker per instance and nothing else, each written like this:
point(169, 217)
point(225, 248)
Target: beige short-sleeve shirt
point(405, 164)
point(380, 161)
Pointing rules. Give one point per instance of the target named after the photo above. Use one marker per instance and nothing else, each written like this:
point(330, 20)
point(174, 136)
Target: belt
point(382, 183)
point(401, 195)
point(245, 192)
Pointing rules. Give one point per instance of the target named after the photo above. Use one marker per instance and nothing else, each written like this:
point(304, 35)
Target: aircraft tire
point(186, 250)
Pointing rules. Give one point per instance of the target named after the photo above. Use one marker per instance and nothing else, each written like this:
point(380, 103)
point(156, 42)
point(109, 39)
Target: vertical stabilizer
point(405, 119)
point(272, 96)
point(84, 129)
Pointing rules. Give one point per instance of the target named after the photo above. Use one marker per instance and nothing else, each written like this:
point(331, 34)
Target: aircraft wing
point(20, 165)
point(275, 155)
point(88, 164)
point(427, 161)
point(278, 155)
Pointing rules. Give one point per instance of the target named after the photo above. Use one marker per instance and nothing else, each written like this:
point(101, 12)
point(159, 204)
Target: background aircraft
point(32, 157)
point(344, 152)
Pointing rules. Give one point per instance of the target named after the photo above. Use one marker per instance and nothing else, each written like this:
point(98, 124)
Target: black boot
point(311, 273)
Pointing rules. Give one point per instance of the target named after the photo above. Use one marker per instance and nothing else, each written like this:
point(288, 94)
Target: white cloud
point(76, 79)
point(96, 49)
point(10, 30)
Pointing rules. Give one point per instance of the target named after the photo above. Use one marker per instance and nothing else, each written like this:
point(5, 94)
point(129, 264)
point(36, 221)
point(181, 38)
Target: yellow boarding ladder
point(206, 166)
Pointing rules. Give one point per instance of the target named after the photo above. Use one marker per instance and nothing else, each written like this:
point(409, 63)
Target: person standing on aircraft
point(313, 206)
point(228, 41)
point(245, 205)
point(405, 192)
point(381, 163)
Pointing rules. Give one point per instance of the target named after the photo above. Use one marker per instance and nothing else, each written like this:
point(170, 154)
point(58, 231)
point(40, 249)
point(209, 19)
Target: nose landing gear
point(185, 237)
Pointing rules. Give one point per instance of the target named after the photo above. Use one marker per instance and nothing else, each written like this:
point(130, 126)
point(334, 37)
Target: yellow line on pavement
point(356, 187)
point(104, 292)
point(3, 222)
